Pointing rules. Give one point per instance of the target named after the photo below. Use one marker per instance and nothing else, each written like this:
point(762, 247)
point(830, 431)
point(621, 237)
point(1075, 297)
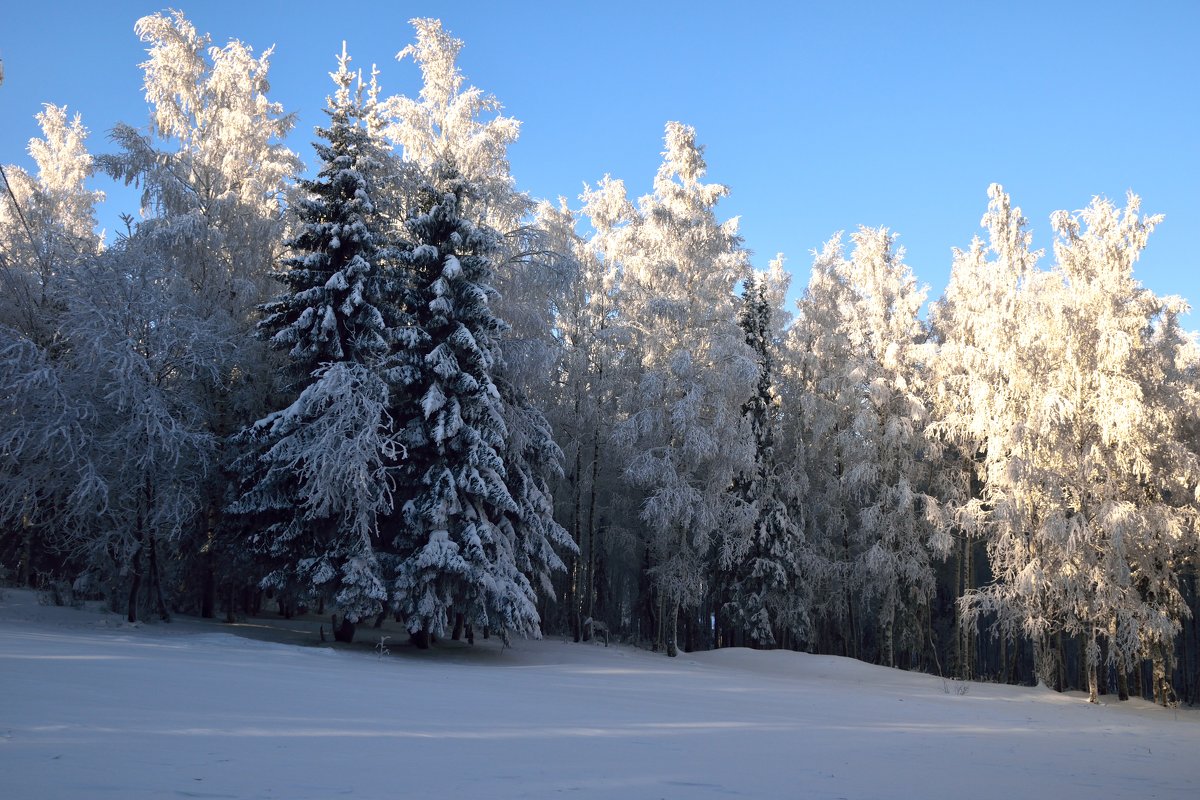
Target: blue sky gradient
point(819, 116)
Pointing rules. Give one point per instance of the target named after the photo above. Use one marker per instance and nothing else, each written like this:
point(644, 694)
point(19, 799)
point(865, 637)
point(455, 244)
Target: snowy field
point(93, 708)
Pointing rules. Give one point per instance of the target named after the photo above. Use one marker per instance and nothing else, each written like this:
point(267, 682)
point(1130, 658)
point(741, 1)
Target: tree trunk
point(673, 631)
point(343, 631)
point(420, 638)
point(1091, 661)
point(589, 531)
point(135, 585)
point(156, 581)
point(208, 596)
point(25, 578)
point(459, 624)
point(887, 623)
point(966, 632)
point(576, 578)
point(573, 602)
point(1060, 664)
point(1043, 662)
point(1164, 694)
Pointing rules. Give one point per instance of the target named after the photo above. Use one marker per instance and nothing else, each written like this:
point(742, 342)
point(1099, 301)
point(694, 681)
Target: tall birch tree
point(686, 436)
point(1090, 492)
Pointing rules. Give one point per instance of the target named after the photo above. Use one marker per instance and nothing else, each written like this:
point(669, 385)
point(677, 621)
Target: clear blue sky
point(819, 116)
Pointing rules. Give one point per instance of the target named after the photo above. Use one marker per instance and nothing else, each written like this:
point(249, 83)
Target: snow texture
point(99, 709)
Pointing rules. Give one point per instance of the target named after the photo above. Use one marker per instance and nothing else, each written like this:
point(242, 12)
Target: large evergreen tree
point(762, 590)
point(455, 545)
point(316, 476)
point(452, 136)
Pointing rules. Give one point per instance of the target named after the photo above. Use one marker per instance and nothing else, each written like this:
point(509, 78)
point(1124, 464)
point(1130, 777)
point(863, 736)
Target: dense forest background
point(403, 386)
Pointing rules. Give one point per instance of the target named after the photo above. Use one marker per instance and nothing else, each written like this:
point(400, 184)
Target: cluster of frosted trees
point(403, 386)
point(291, 386)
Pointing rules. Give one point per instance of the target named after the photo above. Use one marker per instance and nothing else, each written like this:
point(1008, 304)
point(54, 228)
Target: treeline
point(405, 387)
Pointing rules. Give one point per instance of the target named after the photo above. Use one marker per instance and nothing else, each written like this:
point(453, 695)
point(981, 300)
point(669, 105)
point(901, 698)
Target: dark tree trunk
point(459, 624)
point(156, 581)
point(343, 631)
point(673, 631)
point(420, 638)
point(135, 586)
point(25, 578)
point(208, 597)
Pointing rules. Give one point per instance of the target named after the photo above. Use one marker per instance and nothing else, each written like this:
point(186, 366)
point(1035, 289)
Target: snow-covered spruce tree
point(764, 597)
point(447, 130)
point(452, 122)
point(332, 311)
point(455, 545)
point(1091, 492)
point(684, 433)
point(317, 474)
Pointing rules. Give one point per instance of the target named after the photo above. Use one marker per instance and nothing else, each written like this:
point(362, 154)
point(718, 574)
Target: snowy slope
point(92, 708)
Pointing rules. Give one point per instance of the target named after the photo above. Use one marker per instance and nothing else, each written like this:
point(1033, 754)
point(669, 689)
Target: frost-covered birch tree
point(47, 224)
point(106, 439)
point(452, 122)
point(213, 170)
point(875, 524)
point(213, 173)
point(47, 231)
point(1090, 491)
point(978, 389)
point(899, 516)
point(585, 406)
point(146, 362)
point(824, 396)
point(684, 432)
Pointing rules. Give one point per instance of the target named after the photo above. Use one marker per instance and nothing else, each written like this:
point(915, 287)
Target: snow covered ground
point(93, 708)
